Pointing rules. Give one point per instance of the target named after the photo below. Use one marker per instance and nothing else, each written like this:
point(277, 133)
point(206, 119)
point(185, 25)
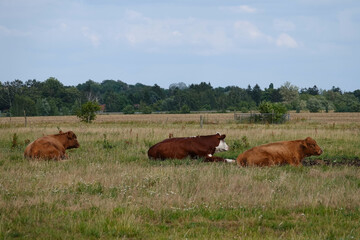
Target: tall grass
point(109, 189)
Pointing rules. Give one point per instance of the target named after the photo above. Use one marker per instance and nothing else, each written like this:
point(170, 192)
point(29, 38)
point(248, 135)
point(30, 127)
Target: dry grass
point(177, 187)
point(209, 118)
point(114, 191)
point(327, 118)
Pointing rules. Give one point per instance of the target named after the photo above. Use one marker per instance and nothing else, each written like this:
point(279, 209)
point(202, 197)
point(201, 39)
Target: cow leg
point(56, 156)
point(54, 153)
point(295, 163)
point(214, 159)
point(211, 158)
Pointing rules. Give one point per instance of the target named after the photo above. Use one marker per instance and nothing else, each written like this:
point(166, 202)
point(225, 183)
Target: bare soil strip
point(328, 162)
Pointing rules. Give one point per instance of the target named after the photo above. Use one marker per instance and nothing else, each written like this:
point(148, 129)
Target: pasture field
point(108, 189)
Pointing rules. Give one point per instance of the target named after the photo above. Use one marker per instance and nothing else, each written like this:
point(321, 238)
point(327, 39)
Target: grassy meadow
point(108, 189)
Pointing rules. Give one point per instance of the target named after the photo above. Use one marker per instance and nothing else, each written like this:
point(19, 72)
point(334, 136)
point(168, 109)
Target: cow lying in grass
point(193, 147)
point(279, 153)
point(52, 146)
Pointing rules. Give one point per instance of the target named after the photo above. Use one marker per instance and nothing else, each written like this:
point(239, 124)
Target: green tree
point(313, 104)
point(273, 112)
point(87, 112)
point(113, 86)
point(115, 102)
point(256, 94)
point(54, 110)
point(52, 88)
point(272, 95)
point(357, 94)
point(347, 103)
point(90, 90)
point(144, 108)
point(185, 109)
point(42, 107)
point(290, 95)
point(21, 104)
point(129, 109)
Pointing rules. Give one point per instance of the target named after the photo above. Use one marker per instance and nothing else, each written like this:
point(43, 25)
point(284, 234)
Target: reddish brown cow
point(52, 146)
point(199, 146)
point(278, 153)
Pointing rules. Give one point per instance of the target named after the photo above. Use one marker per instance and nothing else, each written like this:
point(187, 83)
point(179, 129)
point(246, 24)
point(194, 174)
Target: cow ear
point(304, 143)
point(222, 137)
point(69, 134)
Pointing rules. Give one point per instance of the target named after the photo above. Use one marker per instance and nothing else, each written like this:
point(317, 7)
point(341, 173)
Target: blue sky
point(226, 43)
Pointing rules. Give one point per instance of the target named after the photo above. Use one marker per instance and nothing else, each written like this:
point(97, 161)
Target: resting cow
point(279, 153)
point(193, 147)
point(52, 146)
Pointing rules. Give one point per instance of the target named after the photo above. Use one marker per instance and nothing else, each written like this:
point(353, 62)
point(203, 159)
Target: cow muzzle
point(320, 151)
point(222, 147)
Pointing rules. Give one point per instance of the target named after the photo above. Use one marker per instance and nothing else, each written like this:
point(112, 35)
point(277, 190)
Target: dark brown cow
point(278, 153)
point(52, 146)
point(193, 147)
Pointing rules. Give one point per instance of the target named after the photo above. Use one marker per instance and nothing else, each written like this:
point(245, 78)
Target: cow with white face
point(194, 147)
point(222, 145)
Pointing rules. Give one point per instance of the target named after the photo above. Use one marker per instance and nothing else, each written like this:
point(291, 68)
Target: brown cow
point(52, 146)
point(278, 153)
point(193, 147)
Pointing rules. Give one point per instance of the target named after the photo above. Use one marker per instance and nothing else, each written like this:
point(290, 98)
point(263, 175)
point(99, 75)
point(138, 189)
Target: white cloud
point(63, 26)
point(249, 32)
point(284, 40)
point(132, 15)
point(153, 33)
point(239, 9)
point(94, 38)
point(176, 34)
point(207, 37)
point(247, 29)
point(141, 30)
point(12, 32)
point(283, 25)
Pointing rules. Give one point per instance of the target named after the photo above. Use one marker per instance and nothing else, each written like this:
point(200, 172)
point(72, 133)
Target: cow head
point(222, 144)
point(72, 141)
point(311, 147)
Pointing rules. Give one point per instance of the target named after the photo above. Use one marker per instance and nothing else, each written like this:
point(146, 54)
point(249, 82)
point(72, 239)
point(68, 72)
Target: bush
point(347, 103)
point(185, 109)
point(129, 109)
point(272, 112)
point(87, 112)
point(146, 110)
point(314, 104)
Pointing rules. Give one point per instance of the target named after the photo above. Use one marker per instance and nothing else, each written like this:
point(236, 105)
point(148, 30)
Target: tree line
point(51, 98)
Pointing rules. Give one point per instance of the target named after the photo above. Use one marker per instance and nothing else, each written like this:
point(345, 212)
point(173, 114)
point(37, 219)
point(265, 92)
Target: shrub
point(87, 112)
point(146, 110)
point(272, 112)
point(129, 109)
point(314, 104)
point(185, 109)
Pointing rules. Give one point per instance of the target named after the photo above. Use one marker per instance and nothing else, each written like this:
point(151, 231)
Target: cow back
point(179, 148)
point(278, 153)
point(51, 146)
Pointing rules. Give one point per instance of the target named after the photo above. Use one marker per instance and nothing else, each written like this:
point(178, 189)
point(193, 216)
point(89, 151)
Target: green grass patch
point(45, 221)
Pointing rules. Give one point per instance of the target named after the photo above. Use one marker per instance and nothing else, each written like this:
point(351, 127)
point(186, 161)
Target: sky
point(224, 43)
